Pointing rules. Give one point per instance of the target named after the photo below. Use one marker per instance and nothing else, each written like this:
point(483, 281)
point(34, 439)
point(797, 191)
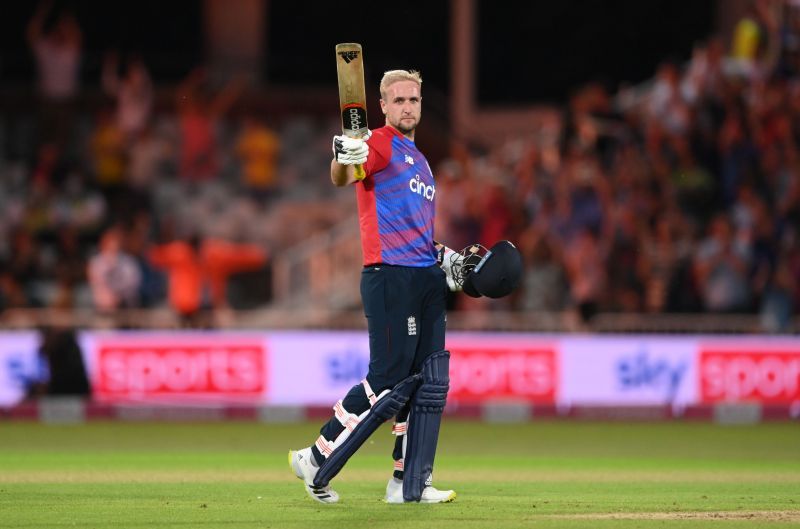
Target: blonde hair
point(393, 76)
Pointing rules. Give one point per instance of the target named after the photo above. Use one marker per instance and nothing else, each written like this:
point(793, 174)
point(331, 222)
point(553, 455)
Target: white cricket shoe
point(303, 468)
point(394, 493)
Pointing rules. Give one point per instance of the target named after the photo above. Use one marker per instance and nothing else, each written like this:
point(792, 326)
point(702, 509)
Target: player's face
point(403, 106)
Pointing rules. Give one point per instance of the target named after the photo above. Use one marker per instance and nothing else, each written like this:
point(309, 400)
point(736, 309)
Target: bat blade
point(352, 95)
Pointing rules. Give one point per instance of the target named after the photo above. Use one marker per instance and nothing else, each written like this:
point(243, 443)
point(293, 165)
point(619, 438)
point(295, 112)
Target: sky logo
point(644, 372)
point(22, 374)
point(346, 367)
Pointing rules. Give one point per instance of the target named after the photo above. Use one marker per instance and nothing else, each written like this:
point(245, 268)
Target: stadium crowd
point(680, 195)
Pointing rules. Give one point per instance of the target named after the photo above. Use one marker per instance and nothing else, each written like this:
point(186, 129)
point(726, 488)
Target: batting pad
point(384, 409)
point(427, 406)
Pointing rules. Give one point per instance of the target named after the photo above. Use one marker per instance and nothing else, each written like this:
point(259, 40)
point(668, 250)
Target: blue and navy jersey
point(396, 202)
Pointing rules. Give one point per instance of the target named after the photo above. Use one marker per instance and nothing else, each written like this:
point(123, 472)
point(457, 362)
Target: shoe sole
point(309, 490)
point(323, 498)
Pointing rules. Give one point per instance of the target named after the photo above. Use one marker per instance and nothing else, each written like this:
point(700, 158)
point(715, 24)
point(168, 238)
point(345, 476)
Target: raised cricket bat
point(352, 96)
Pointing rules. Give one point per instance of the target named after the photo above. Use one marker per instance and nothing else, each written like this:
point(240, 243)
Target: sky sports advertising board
point(317, 368)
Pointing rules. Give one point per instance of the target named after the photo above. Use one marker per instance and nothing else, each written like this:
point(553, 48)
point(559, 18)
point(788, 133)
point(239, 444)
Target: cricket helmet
point(493, 273)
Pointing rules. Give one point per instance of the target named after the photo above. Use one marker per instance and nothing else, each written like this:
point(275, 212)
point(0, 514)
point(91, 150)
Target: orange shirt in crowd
point(198, 276)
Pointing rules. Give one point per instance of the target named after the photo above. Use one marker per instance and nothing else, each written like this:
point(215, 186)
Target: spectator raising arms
point(58, 58)
point(133, 92)
point(198, 272)
point(198, 116)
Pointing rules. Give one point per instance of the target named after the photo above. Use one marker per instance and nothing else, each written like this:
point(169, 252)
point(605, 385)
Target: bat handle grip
point(359, 173)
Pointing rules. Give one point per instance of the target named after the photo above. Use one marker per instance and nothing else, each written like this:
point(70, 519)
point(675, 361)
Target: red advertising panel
point(752, 374)
point(180, 370)
point(503, 371)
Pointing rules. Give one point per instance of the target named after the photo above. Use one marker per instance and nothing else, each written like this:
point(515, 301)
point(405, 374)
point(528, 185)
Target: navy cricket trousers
point(406, 319)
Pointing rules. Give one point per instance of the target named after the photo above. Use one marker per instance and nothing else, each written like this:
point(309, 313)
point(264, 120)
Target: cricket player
point(403, 289)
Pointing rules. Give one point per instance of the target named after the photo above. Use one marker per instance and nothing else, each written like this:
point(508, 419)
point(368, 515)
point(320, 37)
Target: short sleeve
point(380, 152)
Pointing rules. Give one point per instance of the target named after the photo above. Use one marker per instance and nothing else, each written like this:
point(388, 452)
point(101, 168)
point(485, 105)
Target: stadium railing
point(319, 317)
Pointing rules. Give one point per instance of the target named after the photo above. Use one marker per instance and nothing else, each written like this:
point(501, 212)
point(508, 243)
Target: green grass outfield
point(541, 474)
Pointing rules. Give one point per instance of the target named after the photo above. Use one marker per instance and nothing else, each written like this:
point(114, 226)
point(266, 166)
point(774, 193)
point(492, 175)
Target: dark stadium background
point(526, 51)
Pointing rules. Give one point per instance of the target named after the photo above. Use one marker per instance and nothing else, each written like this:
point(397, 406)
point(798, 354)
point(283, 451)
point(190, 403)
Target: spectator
point(108, 160)
point(755, 45)
point(544, 284)
point(721, 265)
point(66, 372)
point(667, 105)
point(12, 292)
point(457, 221)
point(625, 278)
point(778, 299)
point(257, 148)
point(738, 155)
point(148, 159)
point(789, 65)
point(584, 262)
point(198, 272)
point(107, 153)
point(113, 275)
point(661, 255)
point(69, 269)
point(25, 271)
point(198, 116)
point(499, 216)
point(58, 56)
point(49, 170)
point(692, 183)
point(137, 242)
point(133, 93)
point(704, 77)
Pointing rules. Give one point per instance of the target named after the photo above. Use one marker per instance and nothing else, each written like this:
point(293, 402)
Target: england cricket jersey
point(396, 203)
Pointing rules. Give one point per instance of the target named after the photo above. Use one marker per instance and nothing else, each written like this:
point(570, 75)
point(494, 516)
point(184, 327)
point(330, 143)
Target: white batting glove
point(450, 261)
point(350, 151)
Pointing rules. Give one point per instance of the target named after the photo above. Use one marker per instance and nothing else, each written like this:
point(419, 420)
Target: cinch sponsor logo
point(643, 372)
point(503, 372)
point(770, 377)
point(419, 187)
point(175, 370)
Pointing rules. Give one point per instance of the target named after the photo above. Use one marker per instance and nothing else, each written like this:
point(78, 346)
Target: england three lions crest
point(412, 326)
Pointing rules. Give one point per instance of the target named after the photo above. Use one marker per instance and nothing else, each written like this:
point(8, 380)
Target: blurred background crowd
point(677, 194)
